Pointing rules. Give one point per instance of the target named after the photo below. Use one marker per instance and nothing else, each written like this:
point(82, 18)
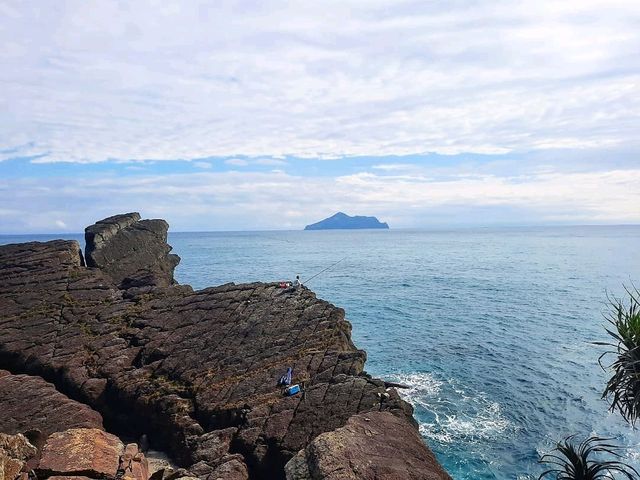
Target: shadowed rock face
point(133, 252)
point(195, 371)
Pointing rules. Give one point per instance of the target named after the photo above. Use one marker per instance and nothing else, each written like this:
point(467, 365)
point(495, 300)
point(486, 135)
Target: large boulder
point(371, 446)
point(133, 252)
point(31, 404)
point(81, 452)
point(229, 467)
point(15, 451)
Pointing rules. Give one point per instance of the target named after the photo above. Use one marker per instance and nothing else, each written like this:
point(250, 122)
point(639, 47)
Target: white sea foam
point(458, 415)
point(422, 387)
point(487, 423)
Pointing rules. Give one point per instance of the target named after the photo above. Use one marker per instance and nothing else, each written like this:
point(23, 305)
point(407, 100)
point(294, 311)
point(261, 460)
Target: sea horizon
point(435, 228)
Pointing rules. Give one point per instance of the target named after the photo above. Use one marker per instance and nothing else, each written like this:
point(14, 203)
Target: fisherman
point(293, 286)
point(285, 380)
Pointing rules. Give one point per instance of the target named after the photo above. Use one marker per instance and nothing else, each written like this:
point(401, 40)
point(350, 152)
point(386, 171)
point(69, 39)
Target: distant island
point(342, 221)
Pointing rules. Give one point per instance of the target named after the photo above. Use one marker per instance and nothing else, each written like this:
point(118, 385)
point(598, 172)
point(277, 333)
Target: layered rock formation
point(194, 371)
point(31, 404)
point(133, 252)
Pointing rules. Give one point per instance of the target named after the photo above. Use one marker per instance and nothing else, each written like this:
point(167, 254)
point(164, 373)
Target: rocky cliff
point(133, 252)
point(116, 345)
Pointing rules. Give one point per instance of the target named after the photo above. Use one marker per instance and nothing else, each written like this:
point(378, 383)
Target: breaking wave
point(447, 413)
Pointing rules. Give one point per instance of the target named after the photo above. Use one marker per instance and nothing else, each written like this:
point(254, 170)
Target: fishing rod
point(322, 271)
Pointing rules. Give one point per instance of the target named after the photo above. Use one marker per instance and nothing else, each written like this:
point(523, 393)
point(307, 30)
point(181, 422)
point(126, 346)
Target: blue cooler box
point(292, 390)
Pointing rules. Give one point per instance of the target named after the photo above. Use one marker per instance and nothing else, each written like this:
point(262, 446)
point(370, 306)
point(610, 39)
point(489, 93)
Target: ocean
point(491, 328)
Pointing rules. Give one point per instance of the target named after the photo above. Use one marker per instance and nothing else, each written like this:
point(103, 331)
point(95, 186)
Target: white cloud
point(391, 167)
point(87, 82)
point(60, 224)
point(250, 201)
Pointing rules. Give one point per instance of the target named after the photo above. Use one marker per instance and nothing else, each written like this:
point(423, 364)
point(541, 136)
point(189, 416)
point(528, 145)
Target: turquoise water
point(491, 327)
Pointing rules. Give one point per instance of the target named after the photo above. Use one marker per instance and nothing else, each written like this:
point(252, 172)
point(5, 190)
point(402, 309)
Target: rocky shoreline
point(105, 346)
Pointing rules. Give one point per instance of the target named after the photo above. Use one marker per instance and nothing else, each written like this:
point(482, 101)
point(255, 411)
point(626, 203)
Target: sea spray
point(447, 413)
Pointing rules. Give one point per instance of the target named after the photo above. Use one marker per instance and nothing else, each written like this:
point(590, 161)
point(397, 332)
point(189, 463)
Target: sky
point(273, 115)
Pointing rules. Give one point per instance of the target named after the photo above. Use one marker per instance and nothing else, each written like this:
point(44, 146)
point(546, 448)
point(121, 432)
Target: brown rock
point(68, 477)
point(81, 452)
point(233, 469)
point(211, 446)
point(371, 446)
point(160, 465)
point(134, 463)
point(15, 450)
point(229, 467)
point(31, 403)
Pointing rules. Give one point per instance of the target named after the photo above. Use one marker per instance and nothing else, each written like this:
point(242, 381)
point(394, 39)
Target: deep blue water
point(490, 327)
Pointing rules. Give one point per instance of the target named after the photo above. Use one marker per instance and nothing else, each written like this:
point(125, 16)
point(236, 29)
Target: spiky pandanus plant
point(575, 461)
point(623, 388)
point(572, 461)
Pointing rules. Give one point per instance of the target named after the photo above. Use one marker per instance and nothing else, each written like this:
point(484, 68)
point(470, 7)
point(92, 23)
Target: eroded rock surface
point(30, 403)
point(371, 446)
point(133, 463)
point(133, 252)
point(195, 371)
point(15, 451)
point(86, 452)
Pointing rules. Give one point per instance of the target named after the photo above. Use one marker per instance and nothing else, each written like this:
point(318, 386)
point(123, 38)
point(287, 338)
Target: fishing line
point(277, 239)
point(322, 271)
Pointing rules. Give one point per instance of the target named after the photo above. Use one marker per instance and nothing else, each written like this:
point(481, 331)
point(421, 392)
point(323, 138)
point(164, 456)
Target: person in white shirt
point(293, 286)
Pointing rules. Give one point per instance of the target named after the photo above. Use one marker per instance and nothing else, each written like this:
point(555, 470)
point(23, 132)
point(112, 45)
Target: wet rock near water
point(195, 371)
